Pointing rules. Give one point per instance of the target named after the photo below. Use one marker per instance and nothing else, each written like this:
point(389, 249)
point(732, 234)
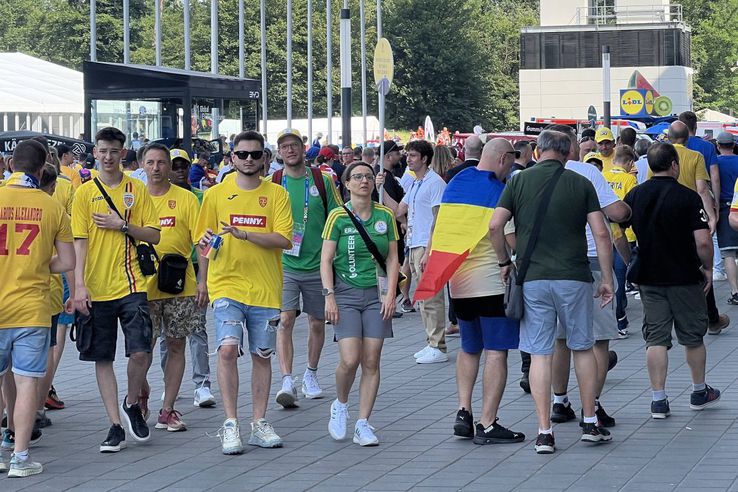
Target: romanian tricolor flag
point(463, 220)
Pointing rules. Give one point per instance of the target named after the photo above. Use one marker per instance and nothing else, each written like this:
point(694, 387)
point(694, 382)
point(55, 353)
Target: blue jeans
point(233, 319)
point(621, 299)
point(27, 348)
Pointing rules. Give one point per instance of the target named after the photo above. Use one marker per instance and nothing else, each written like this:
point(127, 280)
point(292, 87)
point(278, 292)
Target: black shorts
point(54, 326)
point(475, 307)
point(97, 333)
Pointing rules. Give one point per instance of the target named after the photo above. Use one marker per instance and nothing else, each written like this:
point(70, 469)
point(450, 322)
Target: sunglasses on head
point(244, 154)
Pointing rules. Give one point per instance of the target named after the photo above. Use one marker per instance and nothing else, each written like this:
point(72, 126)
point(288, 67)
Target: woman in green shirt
point(360, 296)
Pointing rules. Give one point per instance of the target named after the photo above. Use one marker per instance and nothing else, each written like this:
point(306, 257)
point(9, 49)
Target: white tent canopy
point(32, 85)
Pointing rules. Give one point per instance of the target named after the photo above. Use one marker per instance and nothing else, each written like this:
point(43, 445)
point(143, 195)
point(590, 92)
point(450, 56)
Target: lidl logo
point(632, 102)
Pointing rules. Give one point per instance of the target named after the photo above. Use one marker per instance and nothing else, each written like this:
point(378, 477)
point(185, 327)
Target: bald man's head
point(678, 133)
point(498, 156)
point(473, 147)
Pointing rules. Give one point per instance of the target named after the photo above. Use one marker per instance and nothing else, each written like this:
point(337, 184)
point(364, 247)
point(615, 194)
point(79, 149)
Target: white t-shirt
point(407, 180)
point(604, 194)
point(479, 275)
point(642, 167)
point(222, 173)
point(140, 174)
point(423, 195)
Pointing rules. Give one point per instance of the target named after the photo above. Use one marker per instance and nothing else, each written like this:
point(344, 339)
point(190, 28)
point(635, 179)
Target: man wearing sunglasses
point(312, 195)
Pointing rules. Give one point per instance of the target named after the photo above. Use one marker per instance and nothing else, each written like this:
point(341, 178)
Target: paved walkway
point(414, 418)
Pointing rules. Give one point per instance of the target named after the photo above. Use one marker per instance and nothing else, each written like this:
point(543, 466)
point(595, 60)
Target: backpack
point(317, 178)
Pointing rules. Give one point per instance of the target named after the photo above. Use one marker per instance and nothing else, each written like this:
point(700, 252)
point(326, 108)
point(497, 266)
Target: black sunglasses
point(244, 154)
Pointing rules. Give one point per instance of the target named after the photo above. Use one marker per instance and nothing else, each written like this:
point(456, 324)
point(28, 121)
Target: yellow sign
point(384, 64)
point(649, 102)
point(632, 102)
point(662, 106)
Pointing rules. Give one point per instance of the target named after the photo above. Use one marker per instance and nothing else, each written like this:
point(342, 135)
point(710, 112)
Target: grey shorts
point(359, 313)
point(604, 321)
point(680, 306)
point(307, 285)
point(545, 301)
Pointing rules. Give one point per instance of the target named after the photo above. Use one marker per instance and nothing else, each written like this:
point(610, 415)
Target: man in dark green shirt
point(558, 283)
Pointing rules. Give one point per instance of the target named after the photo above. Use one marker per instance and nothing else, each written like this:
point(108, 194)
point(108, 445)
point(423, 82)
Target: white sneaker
point(337, 423)
point(364, 434)
point(422, 352)
point(287, 396)
point(432, 356)
point(263, 435)
point(719, 276)
point(204, 398)
point(230, 437)
point(310, 387)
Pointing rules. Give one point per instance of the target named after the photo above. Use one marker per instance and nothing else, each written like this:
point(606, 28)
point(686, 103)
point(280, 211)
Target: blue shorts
point(233, 318)
point(489, 334)
point(545, 302)
point(64, 318)
point(27, 348)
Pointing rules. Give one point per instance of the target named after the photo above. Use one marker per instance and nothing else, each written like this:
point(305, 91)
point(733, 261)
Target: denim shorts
point(233, 318)
point(27, 348)
point(545, 302)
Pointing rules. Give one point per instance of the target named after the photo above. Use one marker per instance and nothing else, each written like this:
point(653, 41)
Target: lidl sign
point(642, 102)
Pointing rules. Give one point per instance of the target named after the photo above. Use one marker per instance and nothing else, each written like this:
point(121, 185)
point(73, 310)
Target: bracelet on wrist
point(505, 263)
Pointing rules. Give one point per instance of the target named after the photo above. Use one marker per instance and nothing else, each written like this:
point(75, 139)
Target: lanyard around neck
point(307, 194)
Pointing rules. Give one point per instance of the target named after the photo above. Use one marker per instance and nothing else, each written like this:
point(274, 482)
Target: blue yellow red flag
point(463, 220)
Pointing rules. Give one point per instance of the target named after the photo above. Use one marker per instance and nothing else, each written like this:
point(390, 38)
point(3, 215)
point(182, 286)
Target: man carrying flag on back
point(462, 254)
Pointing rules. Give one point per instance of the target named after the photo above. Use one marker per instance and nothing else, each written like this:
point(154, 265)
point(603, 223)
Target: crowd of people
point(149, 238)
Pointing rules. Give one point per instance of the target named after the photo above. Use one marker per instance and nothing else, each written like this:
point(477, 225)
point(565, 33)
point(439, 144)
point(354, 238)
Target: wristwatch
point(327, 292)
point(124, 227)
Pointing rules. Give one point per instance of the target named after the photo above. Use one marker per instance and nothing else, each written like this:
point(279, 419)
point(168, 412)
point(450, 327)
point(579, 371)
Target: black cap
point(390, 146)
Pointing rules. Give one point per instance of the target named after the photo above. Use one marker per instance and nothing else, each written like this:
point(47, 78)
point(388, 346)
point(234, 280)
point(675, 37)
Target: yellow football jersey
point(621, 183)
point(111, 266)
point(243, 271)
point(30, 223)
point(177, 210)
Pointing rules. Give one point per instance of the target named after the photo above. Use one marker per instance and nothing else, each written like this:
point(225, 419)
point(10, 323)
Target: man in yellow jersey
point(622, 181)
point(312, 196)
point(174, 313)
point(112, 214)
point(605, 146)
point(68, 167)
point(32, 224)
point(244, 279)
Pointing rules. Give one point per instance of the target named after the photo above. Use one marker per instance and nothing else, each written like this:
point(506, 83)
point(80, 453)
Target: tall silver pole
point(93, 30)
point(379, 19)
point(186, 7)
point(606, 84)
point(264, 112)
point(214, 59)
point(310, 68)
point(380, 105)
point(126, 32)
point(289, 63)
point(157, 31)
point(241, 68)
point(329, 70)
point(362, 23)
point(345, 48)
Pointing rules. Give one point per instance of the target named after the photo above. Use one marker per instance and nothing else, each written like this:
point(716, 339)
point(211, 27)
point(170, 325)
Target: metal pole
point(93, 30)
point(126, 32)
point(186, 7)
point(606, 84)
point(379, 19)
point(346, 74)
point(263, 66)
point(380, 105)
point(362, 23)
point(329, 70)
point(310, 69)
point(289, 63)
point(241, 68)
point(157, 31)
point(214, 59)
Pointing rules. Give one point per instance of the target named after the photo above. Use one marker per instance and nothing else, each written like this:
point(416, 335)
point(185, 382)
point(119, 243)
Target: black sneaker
point(612, 360)
point(700, 400)
point(595, 433)
point(133, 418)
point(562, 412)
point(660, 409)
point(545, 444)
point(733, 299)
point(496, 435)
point(397, 314)
point(407, 306)
point(602, 417)
point(42, 421)
point(464, 425)
point(115, 441)
point(525, 382)
point(9, 437)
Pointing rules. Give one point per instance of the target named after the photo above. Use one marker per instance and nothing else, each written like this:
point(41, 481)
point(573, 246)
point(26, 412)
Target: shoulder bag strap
point(367, 240)
point(540, 213)
point(320, 184)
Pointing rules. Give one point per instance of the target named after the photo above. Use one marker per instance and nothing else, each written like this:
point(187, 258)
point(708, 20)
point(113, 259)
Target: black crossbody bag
point(373, 247)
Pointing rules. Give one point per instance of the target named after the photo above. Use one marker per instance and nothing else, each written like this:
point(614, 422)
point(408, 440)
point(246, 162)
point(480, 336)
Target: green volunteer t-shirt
point(309, 254)
point(198, 194)
point(561, 250)
point(354, 263)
